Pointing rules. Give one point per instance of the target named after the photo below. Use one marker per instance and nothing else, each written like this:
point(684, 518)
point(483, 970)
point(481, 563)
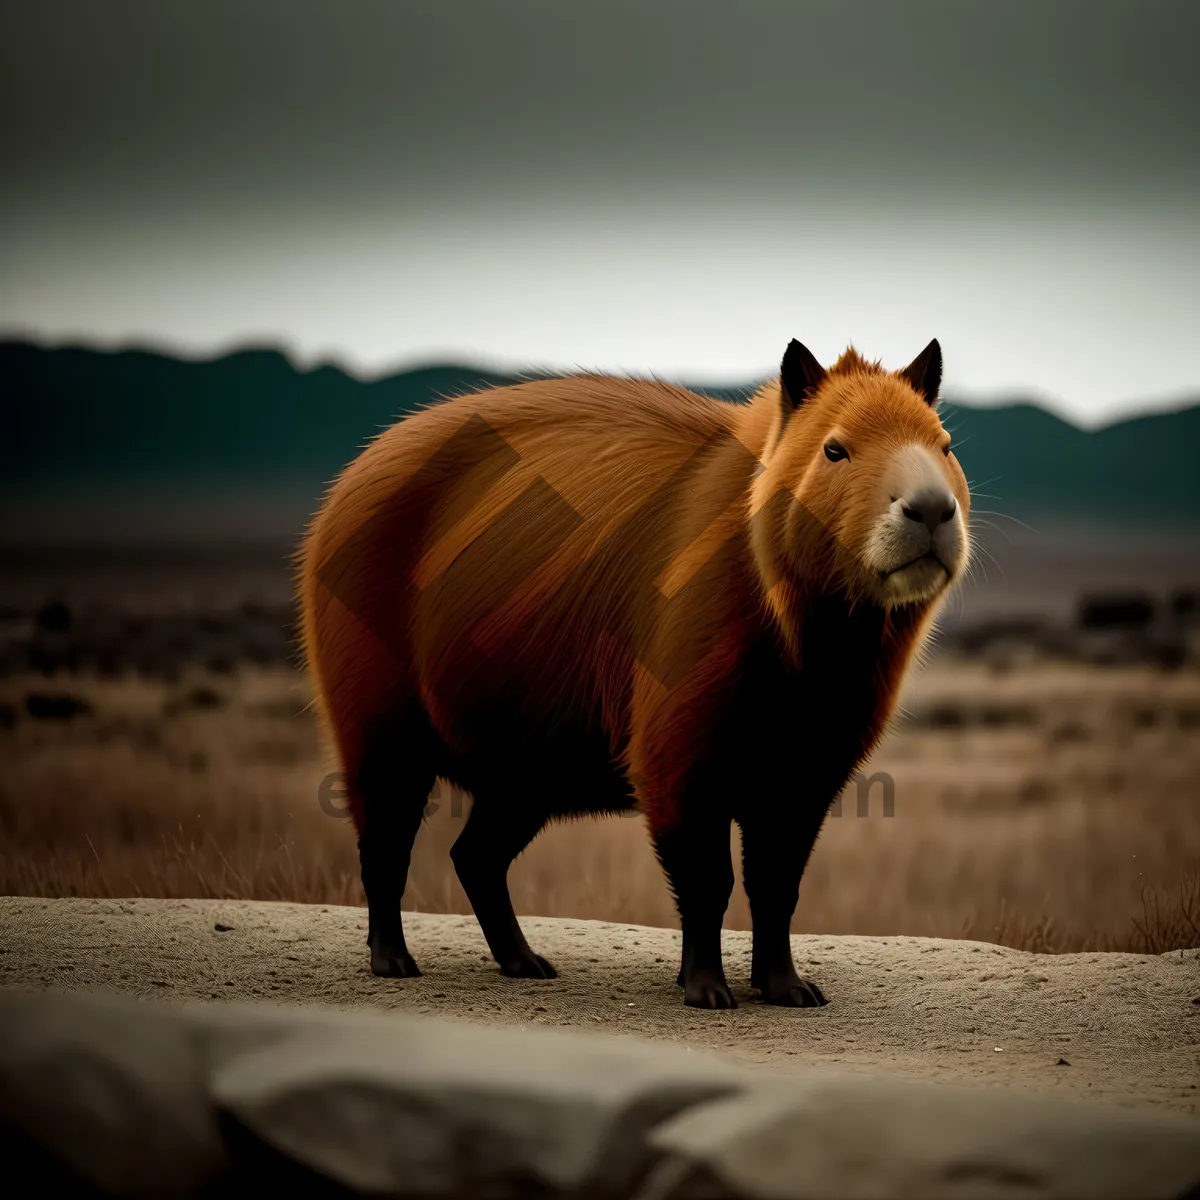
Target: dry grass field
point(1047, 807)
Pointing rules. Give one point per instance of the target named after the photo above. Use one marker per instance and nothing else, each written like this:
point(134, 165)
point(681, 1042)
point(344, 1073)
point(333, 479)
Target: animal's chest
point(799, 730)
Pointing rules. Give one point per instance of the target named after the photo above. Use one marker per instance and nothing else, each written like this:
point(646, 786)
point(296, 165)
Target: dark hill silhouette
point(79, 413)
point(132, 433)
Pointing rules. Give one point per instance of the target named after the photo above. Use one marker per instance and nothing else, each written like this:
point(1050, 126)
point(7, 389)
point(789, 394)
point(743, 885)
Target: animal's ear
point(799, 376)
point(924, 373)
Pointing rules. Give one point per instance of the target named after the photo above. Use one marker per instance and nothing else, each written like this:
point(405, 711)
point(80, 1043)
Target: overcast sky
point(668, 187)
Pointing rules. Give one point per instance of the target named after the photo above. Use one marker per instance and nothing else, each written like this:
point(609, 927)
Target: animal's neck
point(855, 657)
point(855, 636)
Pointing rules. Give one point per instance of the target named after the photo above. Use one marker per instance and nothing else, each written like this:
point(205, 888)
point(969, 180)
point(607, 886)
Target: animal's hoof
point(394, 966)
point(708, 993)
point(800, 994)
point(533, 967)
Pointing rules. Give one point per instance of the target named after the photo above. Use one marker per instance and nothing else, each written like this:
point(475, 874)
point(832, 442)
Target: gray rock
point(111, 1091)
point(860, 1137)
point(430, 1108)
point(134, 1098)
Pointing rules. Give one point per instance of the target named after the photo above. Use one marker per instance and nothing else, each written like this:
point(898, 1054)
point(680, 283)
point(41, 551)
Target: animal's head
point(862, 479)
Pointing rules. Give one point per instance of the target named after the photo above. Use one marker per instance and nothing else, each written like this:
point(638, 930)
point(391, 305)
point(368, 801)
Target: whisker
point(993, 526)
point(977, 545)
point(988, 512)
point(995, 562)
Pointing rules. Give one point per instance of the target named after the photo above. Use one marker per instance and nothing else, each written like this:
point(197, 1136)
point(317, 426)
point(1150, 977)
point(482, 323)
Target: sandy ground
point(1125, 1027)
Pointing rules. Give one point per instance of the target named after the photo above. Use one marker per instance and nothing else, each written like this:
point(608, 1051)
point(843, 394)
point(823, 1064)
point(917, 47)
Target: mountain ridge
point(82, 424)
point(306, 365)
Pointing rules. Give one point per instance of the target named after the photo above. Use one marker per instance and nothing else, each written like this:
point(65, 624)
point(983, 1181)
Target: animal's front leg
point(695, 855)
point(774, 854)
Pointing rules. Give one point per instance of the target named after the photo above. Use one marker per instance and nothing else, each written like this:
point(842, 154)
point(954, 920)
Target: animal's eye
point(835, 451)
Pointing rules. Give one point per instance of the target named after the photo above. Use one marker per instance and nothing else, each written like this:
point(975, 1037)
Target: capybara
point(584, 595)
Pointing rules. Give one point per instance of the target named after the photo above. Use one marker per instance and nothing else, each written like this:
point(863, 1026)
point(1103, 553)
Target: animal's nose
point(930, 507)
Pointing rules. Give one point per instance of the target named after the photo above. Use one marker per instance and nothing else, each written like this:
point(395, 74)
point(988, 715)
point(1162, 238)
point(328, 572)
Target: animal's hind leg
point(393, 791)
point(495, 833)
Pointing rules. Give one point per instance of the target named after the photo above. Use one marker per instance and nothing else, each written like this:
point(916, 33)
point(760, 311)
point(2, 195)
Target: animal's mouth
point(930, 556)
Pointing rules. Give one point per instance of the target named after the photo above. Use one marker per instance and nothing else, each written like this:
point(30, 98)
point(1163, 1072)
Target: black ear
point(800, 375)
point(925, 372)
